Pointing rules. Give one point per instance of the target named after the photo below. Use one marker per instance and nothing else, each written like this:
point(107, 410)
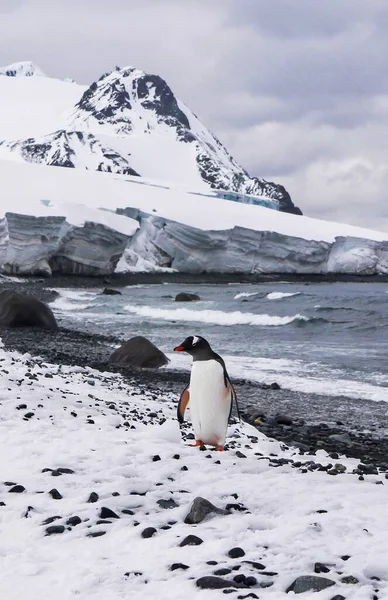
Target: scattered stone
point(156, 458)
point(338, 597)
point(96, 534)
point(167, 504)
point(265, 584)
point(127, 511)
point(200, 509)
point(110, 292)
point(176, 566)
point(65, 471)
point(367, 469)
point(51, 520)
point(236, 553)
point(321, 568)
point(73, 521)
point(55, 494)
point(340, 468)
point(345, 557)
point(107, 513)
point(222, 572)
point(250, 581)
point(215, 583)
point(240, 454)
point(307, 583)
point(250, 595)
point(17, 489)
point(186, 297)
point(148, 532)
point(342, 438)
point(53, 529)
point(255, 565)
point(240, 578)
point(349, 579)
point(212, 562)
point(139, 352)
point(282, 419)
point(92, 498)
point(235, 506)
point(20, 310)
point(191, 540)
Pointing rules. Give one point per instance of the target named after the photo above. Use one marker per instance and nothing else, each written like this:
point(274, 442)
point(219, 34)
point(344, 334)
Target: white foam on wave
point(73, 300)
point(280, 295)
point(294, 375)
point(216, 317)
point(245, 295)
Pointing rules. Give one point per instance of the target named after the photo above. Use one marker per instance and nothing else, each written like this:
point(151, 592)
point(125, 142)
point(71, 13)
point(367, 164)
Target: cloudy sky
point(296, 89)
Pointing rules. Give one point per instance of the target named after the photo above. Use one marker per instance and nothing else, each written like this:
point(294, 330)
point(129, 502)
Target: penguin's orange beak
point(179, 348)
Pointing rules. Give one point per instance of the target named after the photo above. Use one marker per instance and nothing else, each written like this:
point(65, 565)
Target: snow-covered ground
point(111, 435)
point(27, 185)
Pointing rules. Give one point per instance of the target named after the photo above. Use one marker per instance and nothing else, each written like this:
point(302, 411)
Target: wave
point(280, 295)
point(71, 300)
point(215, 317)
point(246, 295)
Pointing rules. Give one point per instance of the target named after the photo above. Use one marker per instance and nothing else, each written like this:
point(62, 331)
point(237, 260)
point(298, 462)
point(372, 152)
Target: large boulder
point(186, 297)
point(19, 310)
point(139, 352)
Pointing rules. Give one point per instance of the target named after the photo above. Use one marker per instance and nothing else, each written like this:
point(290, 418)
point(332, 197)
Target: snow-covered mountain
point(128, 122)
point(22, 69)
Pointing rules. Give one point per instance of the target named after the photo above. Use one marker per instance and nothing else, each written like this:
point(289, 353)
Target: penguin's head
point(193, 344)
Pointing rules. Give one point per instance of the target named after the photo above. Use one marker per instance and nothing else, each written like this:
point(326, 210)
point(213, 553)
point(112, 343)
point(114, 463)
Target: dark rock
point(73, 521)
point(283, 419)
point(156, 458)
point(222, 572)
point(307, 583)
point(96, 534)
point(212, 562)
point(148, 532)
point(186, 297)
point(51, 520)
point(176, 566)
point(250, 581)
point(191, 540)
point(17, 489)
point(345, 557)
point(349, 579)
point(110, 292)
point(250, 595)
point(139, 352)
point(255, 565)
point(127, 511)
point(55, 529)
point(215, 583)
point(234, 506)
point(321, 568)
point(65, 471)
point(200, 509)
point(19, 310)
point(240, 578)
point(240, 454)
point(55, 494)
point(236, 553)
point(107, 513)
point(338, 597)
point(342, 438)
point(92, 498)
point(367, 469)
point(167, 504)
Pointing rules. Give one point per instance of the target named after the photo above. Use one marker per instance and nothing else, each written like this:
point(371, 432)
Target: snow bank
point(125, 447)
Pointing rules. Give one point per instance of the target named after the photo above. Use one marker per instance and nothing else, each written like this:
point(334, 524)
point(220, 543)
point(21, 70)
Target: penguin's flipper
point(233, 396)
point(182, 405)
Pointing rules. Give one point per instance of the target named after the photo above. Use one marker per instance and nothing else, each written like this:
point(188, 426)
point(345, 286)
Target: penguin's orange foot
point(197, 443)
point(220, 448)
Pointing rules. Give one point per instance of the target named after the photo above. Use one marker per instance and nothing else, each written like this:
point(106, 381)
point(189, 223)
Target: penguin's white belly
point(209, 402)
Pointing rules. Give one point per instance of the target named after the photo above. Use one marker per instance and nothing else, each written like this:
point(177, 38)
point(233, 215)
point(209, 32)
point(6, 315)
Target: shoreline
point(138, 278)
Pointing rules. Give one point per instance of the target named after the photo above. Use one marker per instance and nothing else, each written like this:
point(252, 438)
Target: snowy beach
point(120, 450)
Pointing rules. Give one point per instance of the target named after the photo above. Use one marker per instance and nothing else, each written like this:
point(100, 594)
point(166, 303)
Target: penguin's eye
point(195, 340)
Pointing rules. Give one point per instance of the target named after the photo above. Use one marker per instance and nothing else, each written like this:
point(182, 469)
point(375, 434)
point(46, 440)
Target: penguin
point(210, 393)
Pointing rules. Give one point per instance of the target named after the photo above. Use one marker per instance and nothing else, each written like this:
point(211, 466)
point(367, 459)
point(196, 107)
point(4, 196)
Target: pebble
point(191, 540)
point(107, 513)
point(51, 520)
point(236, 553)
point(55, 494)
point(307, 583)
point(167, 504)
point(96, 534)
point(53, 529)
point(200, 509)
point(349, 579)
point(176, 566)
point(321, 568)
point(92, 498)
point(215, 583)
point(255, 565)
point(250, 595)
point(148, 532)
point(17, 489)
point(222, 572)
point(73, 521)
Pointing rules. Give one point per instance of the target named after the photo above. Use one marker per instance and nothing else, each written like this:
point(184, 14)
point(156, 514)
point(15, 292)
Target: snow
point(280, 295)
point(22, 69)
point(27, 184)
point(282, 528)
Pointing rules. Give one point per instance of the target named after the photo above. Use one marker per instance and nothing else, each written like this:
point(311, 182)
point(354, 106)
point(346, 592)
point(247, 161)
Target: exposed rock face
point(138, 110)
point(43, 245)
point(19, 310)
point(139, 352)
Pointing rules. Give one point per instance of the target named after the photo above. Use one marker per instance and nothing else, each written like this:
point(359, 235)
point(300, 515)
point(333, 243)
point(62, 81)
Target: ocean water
point(323, 338)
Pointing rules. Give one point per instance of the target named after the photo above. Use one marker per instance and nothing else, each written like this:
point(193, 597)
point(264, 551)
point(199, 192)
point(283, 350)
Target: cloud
point(297, 90)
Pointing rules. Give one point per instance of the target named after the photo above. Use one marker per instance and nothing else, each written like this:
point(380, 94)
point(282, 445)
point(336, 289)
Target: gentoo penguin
point(210, 393)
